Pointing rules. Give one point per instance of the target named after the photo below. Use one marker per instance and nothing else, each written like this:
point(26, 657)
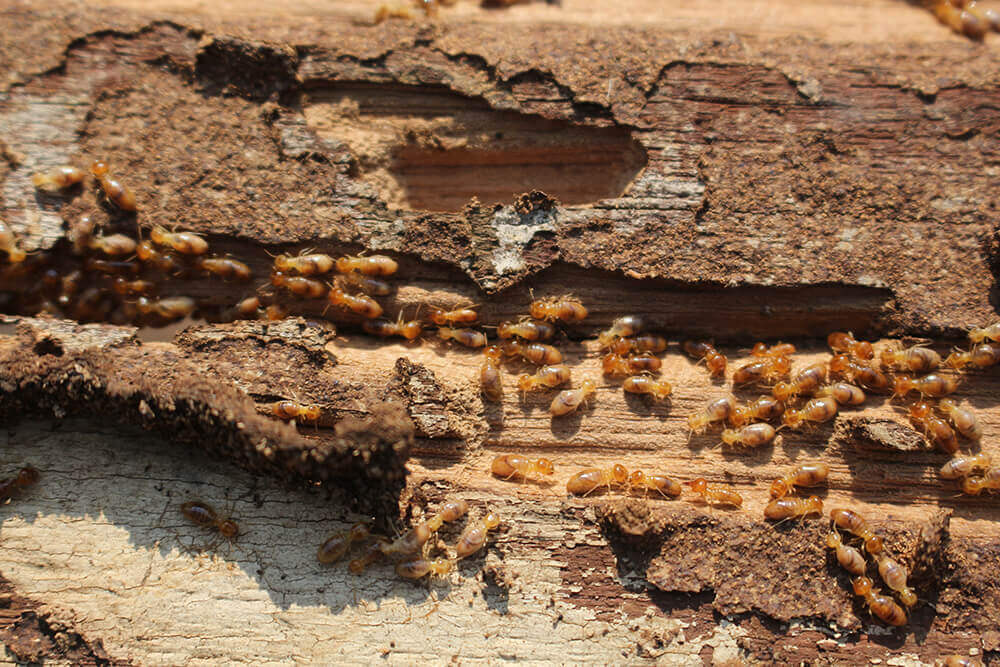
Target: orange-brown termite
point(843, 392)
point(804, 383)
point(167, 262)
point(367, 284)
point(882, 606)
point(963, 466)
point(855, 524)
point(546, 377)
point(490, 379)
point(816, 410)
point(466, 337)
point(306, 264)
point(569, 400)
point(989, 480)
point(370, 265)
point(57, 178)
point(168, 308)
point(336, 546)
point(299, 285)
point(445, 318)
point(642, 343)
point(25, 477)
point(627, 325)
point(421, 567)
point(507, 466)
point(750, 436)
point(894, 575)
point(963, 419)
point(186, 243)
point(531, 330)
point(849, 558)
point(589, 480)
point(788, 508)
point(473, 538)
point(539, 354)
point(715, 494)
point(665, 486)
point(614, 364)
point(983, 355)
point(777, 350)
point(365, 306)
point(929, 385)
point(714, 360)
point(716, 411)
point(766, 369)
point(845, 343)
point(643, 384)
point(228, 268)
point(113, 245)
point(806, 474)
point(992, 333)
point(204, 515)
point(936, 429)
point(275, 311)
point(410, 330)
point(372, 555)
point(288, 410)
point(116, 193)
point(913, 359)
point(565, 309)
point(764, 408)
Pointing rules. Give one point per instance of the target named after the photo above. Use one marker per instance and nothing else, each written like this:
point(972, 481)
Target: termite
point(816, 410)
point(614, 364)
point(913, 359)
point(806, 474)
point(312, 264)
point(444, 318)
point(25, 477)
point(894, 575)
point(507, 466)
point(750, 436)
point(990, 480)
point(368, 285)
point(641, 343)
point(868, 377)
point(855, 524)
point(204, 515)
point(715, 494)
point(716, 411)
point(531, 330)
point(963, 466)
point(115, 192)
point(228, 268)
point(490, 379)
point(787, 508)
point(882, 606)
point(57, 178)
point(805, 382)
point(186, 243)
point(370, 265)
point(767, 369)
point(930, 385)
point(962, 419)
point(777, 350)
point(983, 355)
point(365, 306)
point(372, 555)
point(546, 377)
point(288, 410)
point(539, 354)
point(336, 546)
point(845, 343)
point(764, 408)
point(843, 392)
point(992, 333)
point(643, 384)
point(587, 481)
point(665, 486)
point(714, 360)
point(937, 430)
point(565, 309)
point(421, 567)
point(466, 337)
point(569, 400)
point(126, 287)
point(473, 538)
point(113, 245)
point(627, 325)
point(849, 558)
point(167, 262)
point(168, 308)
point(410, 330)
point(299, 285)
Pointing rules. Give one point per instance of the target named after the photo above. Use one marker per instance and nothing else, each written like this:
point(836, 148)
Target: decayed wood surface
point(792, 188)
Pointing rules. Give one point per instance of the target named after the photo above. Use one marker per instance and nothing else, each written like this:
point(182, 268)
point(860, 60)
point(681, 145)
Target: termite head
point(229, 529)
point(862, 586)
point(783, 391)
point(491, 520)
point(699, 485)
point(833, 540)
point(908, 597)
point(814, 505)
point(99, 168)
point(779, 489)
point(545, 466)
point(901, 385)
point(730, 436)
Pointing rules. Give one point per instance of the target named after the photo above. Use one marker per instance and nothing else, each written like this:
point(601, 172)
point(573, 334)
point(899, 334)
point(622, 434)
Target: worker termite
point(25, 477)
point(767, 369)
point(545, 377)
point(777, 350)
point(816, 410)
point(643, 384)
point(715, 494)
point(750, 436)
point(370, 265)
point(958, 660)
point(764, 408)
point(414, 539)
point(894, 575)
point(587, 481)
point(306, 264)
point(288, 410)
point(963, 420)
point(806, 474)
point(627, 325)
point(248, 308)
point(569, 400)
point(421, 567)
point(367, 284)
point(805, 382)
point(58, 178)
point(8, 244)
point(868, 377)
point(230, 269)
point(114, 245)
point(641, 343)
point(929, 385)
point(990, 480)
point(983, 355)
point(489, 373)
point(507, 466)
point(963, 466)
point(384, 12)
point(466, 337)
point(855, 524)
point(116, 193)
point(938, 432)
point(532, 330)
point(169, 308)
point(126, 287)
point(882, 606)
point(787, 508)
point(565, 309)
point(410, 330)
point(992, 333)
point(714, 360)
point(614, 364)
point(914, 359)
point(665, 486)
point(275, 311)
point(299, 285)
point(167, 262)
point(365, 306)
point(716, 411)
point(204, 515)
point(453, 510)
point(845, 343)
point(843, 393)
point(336, 546)
point(444, 318)
point(111, 267)
point(186, 243)
point(372, 555)
point(849, 558)
point(473, 538)
point(539, 354)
